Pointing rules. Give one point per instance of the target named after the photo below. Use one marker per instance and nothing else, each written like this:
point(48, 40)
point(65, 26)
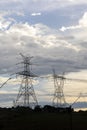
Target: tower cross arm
point(26, 73)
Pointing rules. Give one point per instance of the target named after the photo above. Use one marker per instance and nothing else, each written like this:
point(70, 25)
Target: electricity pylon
point(58, 99)
point(26, 96)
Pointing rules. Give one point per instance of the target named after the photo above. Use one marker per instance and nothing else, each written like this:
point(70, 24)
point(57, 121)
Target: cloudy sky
point(53, 31)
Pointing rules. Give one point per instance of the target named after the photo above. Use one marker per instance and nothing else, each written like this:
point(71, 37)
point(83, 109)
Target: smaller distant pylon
point(58, 99)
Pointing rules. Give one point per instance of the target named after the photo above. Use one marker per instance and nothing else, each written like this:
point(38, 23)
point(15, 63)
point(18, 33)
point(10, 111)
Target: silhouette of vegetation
point(42, 118)
point(38, 108)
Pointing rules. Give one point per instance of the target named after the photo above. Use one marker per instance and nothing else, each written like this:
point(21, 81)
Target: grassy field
point(20, 119)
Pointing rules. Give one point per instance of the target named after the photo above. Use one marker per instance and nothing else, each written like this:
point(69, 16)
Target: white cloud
point(82, 23)
point(5, 21)
point(35, 14)
point(4, 24)
point(39, 40)
point(83, 20)
point(69, 28)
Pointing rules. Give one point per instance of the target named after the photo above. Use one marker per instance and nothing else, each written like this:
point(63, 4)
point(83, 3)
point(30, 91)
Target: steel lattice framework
point(26, 96)
point(58, 99)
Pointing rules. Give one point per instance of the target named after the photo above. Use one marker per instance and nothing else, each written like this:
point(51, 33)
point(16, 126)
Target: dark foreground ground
point(26, 119)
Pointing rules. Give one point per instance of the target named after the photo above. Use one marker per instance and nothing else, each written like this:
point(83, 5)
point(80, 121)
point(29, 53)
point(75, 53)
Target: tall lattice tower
point(58, 99)
point(26, 96)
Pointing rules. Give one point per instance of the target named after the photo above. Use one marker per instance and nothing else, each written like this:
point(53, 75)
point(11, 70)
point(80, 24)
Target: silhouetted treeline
point(46, 108)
